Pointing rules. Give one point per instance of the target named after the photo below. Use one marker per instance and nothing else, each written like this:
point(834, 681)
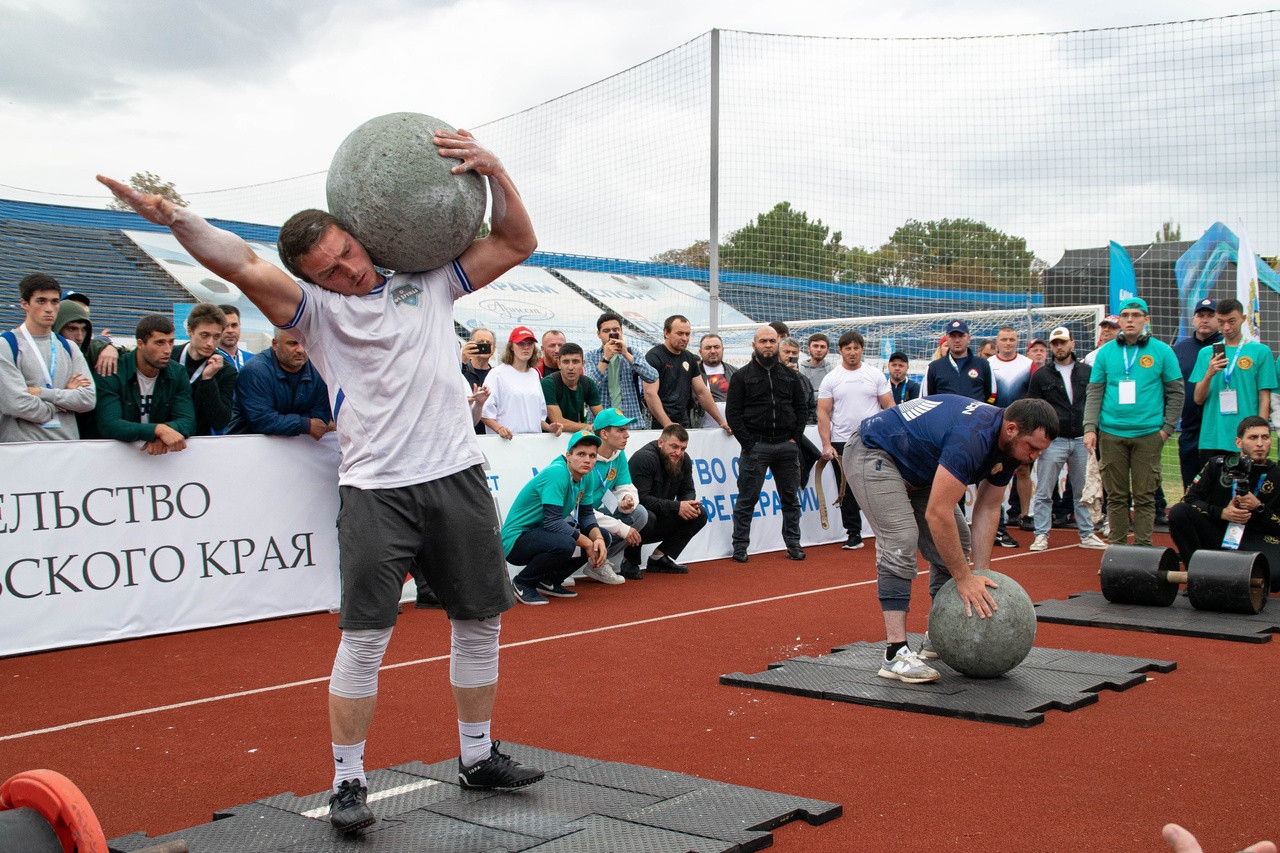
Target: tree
point(1170, 232)
point(784, 242)
point(697, 255)
point(960, 253)
point(149, 182)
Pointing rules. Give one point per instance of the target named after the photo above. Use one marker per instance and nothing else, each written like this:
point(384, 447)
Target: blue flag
point(1124, 283)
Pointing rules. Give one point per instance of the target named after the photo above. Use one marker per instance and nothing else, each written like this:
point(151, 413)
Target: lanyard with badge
point(1128, 387)
point(195, 377)
point(54, 422)
point(610, 500)
point(1227, 396)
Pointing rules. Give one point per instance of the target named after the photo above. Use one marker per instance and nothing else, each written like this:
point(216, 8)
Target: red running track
point(630, 674)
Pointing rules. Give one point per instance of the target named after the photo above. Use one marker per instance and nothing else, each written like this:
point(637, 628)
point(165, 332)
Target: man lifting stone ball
point(411, 484)
point(908, 466)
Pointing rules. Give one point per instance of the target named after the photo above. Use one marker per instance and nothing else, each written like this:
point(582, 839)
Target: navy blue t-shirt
point(955, 432)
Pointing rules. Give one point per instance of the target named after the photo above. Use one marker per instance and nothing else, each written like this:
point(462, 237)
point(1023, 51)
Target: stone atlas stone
point(390, 184)
point(983, 648)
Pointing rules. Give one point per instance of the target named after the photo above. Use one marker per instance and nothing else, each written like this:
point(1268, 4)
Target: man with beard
point(663, 477)
point(849, 395)
point(909, 467)
point(549, 364)
point(765, 411)
point(148, 398)
point(212, 378)
point(816, 367)
point(679, 379)
point(716, 373)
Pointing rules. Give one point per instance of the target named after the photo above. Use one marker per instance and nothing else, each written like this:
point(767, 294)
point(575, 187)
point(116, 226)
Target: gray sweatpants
point(896, 513)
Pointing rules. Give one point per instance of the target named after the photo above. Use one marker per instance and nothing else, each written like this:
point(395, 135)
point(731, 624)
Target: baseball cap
point(1205, 305)
point(1062, 333)
point(611, 418)
point(521, 333)
point(581, 436)
point(899, 356)
point(1036, 342)
point(1110, 320)
point(1135, 302)
point(958, 326)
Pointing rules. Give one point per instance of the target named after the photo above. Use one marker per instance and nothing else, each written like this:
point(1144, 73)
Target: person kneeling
point(1238, 487)
point(552, 525)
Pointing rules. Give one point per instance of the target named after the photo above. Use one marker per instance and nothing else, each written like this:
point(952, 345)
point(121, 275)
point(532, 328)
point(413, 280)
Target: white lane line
point(323, 811)
point(324, 679)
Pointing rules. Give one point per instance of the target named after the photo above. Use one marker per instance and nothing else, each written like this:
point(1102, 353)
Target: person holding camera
point(476, 355)
point(1237, 487)
point(1233, 379)
point(616, 371)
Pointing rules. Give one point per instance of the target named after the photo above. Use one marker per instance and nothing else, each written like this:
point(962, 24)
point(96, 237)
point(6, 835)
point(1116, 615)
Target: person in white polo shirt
point(851, 392)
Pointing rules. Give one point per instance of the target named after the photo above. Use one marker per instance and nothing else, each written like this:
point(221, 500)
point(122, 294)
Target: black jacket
point(1213, 488)
point(1046, 384)
point(660, 492)
point(766, 404)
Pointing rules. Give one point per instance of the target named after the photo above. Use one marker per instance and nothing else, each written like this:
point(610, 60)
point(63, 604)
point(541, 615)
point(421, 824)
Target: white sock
point(475, 742)
point(348, 763)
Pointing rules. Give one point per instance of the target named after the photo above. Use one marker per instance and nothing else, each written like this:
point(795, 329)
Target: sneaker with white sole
point(605, 574)
point(906, 666)
point(555, 590)
point(1092, 542)
point(927, 651)
point(1041, 542)
point(567, 582)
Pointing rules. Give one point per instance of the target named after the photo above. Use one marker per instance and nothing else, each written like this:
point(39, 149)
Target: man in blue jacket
point(279, 392)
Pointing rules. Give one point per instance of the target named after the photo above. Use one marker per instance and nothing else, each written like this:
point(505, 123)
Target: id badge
point(1227, 402)
point(1128, 392)
point(610, 501)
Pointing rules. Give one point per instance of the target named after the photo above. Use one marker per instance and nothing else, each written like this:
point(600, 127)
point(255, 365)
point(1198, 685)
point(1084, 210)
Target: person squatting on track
point(908, 467)
point(411, 481)
point(1237, 487)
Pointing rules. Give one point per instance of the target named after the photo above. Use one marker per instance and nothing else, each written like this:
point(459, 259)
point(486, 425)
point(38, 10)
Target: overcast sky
point(214, 95)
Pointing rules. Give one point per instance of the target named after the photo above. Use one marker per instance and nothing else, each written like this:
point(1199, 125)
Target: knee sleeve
point(473, 652)
point(355, 667)
point(894, 592)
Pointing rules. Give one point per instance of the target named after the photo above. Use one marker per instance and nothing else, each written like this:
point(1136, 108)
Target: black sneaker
point(795, 552)
point(348, 809)
point(664, 565)
point(1004, 540)
point(1027, 523)
point(427, 601)
point(739, 556)
point(497, 771)
point(631, 571)
point(853, 543)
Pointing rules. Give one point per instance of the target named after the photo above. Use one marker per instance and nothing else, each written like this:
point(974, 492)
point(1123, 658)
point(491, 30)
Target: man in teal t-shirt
point(1134, 400)
point(552, 527)
point(1232, 386)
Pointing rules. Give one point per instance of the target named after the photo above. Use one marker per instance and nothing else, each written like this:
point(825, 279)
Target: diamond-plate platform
point(583, 806)
point(1091, 609)
point(1047, 679)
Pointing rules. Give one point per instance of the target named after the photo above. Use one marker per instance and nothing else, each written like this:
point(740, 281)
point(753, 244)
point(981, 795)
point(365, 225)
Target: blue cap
point(1205, 305)
point(958, 326)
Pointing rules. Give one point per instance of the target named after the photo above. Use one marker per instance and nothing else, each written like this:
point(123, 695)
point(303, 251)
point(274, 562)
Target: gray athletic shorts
point(449, 527)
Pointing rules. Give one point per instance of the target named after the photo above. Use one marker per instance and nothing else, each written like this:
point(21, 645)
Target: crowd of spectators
point(593, 508)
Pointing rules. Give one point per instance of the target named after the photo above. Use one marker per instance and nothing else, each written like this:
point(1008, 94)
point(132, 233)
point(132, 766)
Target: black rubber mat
point(583, 806)
point(1091, 609)
point(1047, 679)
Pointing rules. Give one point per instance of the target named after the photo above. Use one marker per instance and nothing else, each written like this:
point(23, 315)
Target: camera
point(1238, 475)
point(484, 347)
point(615, 336)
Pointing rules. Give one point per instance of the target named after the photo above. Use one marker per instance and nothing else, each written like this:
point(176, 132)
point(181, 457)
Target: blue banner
point(1124, 283)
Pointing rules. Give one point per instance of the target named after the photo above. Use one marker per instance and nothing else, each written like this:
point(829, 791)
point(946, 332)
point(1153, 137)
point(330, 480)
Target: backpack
point(13, 344)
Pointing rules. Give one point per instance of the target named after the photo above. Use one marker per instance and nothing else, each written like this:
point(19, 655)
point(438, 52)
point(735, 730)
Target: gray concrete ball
point(983, 648)
point(390, 184)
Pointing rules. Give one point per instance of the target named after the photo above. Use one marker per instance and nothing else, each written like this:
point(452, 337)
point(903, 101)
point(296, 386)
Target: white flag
point(1247, 285)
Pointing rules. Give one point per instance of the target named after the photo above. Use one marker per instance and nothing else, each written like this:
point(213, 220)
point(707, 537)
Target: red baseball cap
point(521, 333)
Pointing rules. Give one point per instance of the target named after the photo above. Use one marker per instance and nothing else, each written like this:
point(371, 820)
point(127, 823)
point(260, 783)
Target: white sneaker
point(1041, 542)
point(605, 574)
point(567, 582)
point(927, 651)
point(907, 666)
point(1093, 542)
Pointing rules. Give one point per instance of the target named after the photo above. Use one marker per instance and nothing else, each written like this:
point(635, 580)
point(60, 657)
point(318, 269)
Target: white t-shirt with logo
point(515, 399)
point(146, 389)
point(854, 395)
point(390, 359)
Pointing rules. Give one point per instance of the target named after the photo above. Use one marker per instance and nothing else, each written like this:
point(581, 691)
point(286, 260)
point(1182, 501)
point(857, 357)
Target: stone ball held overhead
point(389, 183)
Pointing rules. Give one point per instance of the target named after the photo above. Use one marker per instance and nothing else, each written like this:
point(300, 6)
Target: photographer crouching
point(1232, 503)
